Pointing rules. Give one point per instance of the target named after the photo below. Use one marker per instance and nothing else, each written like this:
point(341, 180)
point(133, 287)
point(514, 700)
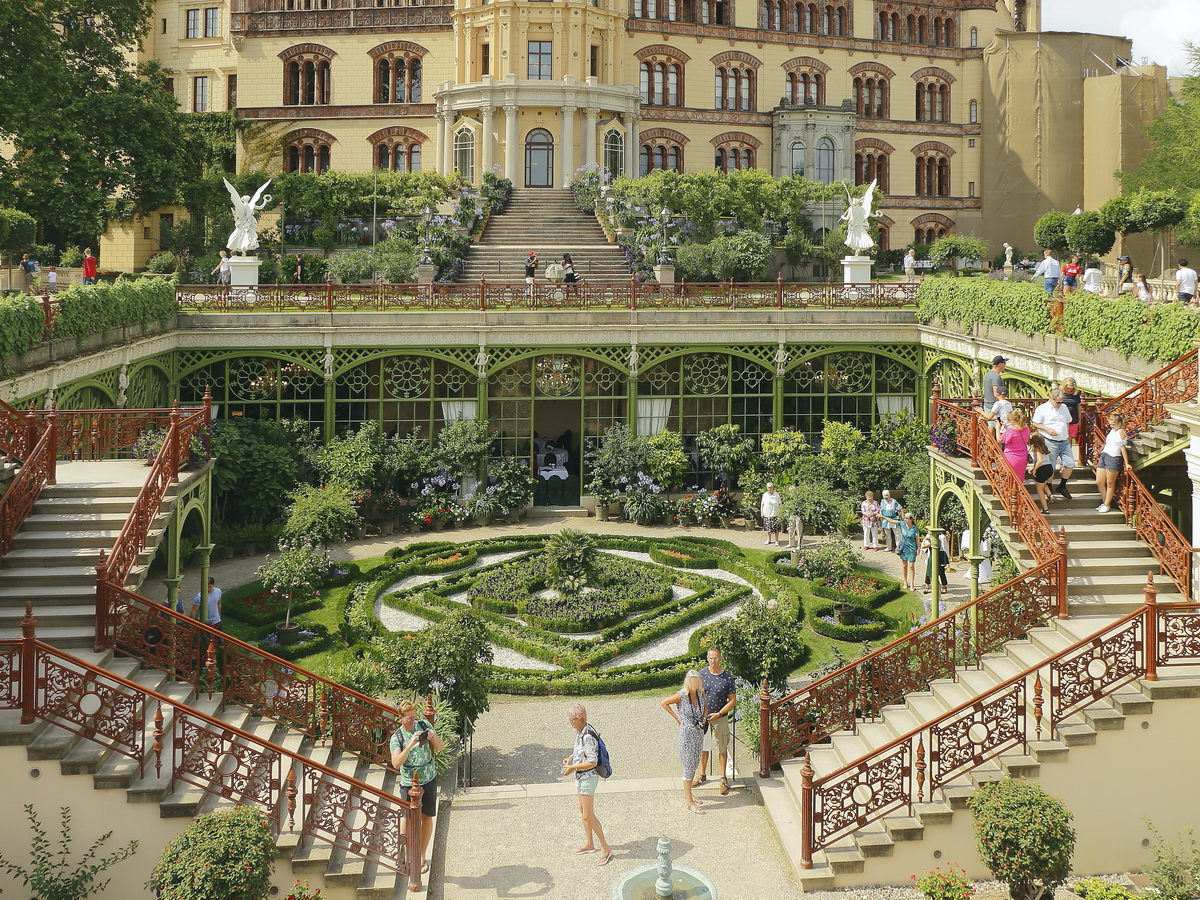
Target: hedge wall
point(21, 323)
point(90, 309)
point(1020, 306)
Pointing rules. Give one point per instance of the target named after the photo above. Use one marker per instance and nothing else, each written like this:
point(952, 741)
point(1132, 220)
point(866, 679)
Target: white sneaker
point(768, 543)
point(1102, 508)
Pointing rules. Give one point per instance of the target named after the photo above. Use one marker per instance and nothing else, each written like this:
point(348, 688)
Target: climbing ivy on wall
point(21, 320)
point(974, 301)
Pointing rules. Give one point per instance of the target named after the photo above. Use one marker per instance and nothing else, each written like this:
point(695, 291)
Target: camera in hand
point(422, 738)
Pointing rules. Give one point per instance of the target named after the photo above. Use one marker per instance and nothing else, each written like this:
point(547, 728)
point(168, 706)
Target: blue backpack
point(603, 764)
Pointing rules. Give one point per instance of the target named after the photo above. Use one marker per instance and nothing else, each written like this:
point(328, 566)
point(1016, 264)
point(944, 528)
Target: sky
point(1158, 27)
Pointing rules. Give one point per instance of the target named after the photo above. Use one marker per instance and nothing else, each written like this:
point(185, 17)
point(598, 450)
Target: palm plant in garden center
point(570, 561)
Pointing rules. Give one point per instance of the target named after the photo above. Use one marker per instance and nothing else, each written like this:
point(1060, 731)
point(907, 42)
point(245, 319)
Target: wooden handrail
point(230, 736)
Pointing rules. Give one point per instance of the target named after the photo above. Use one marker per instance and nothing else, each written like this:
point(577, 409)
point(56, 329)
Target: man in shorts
point(721, 697)
point(1053, 420)
point(910, 266)
point(993, 379)
point(582, 762)
point(1185, 280)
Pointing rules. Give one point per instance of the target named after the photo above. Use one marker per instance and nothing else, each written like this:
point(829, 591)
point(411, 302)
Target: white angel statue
point(245, 231)
point(857, 216)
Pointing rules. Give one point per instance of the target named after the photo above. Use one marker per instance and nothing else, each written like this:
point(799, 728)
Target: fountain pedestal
point(664, 881)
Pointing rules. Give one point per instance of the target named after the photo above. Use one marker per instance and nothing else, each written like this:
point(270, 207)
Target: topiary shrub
point(225, 855)
point(570, 561)
point(761, 642)
point(1099, 889)
point(1024, 836)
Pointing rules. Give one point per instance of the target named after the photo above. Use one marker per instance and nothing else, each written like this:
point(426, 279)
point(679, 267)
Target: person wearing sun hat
point(531, 264)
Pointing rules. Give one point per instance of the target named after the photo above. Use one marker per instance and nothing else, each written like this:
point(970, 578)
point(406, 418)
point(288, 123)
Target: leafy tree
point(742, 256)
point(782, 452)
point(1158, 211)
point(224, 855)
point(666, 460)
point(1024, 836)
point(463, 444)
point(761, 642)
point(1116, 215)
point(1189, 229)
point(1174, 156)
point(1088, 235)
point(726, 452)
point(356, 459)
point(900, 432)
point(449, 658)
point(840, 441)
point(51, 874)
point(321, 514)
point(297, 571)
point(1051, 230)
point(93, 134)
point(258, 462)
point(950, 248)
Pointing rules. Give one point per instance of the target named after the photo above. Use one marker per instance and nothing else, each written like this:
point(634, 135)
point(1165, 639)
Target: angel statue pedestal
point(243, 271)
point(856, 269)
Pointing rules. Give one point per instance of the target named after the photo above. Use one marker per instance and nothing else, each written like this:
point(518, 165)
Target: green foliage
point(297, 571)
point(322, 514)
point(1175, 873)
point(741, 256)
point(1151, 210)
point(1115, 213)
point(950, 248)
point(761, 642)
point(258, 462)
point(359, 459)
point(915, 485)
point(614, 462)
point(1050, 231)
point(1174, 156)
point(570, 561)
point(869, 625)
point(51, 874)
point(1024, 836)
point(900, 432)
point(18, 230)
point(874, 470)
point(724, 450)
point(975, 301)
point(798, 248)
point(21, 324)
point(162, 263)
point(1088, 235)
point(1159, 333)
point(840, 443)
point(782, 451)
point(1099, 889)
point(665, 460)
point(947, 885)
point(391, 262)
point(71, 257)
point(818, 504)
point(91, 309)
point(693, 262)
point(834, 561)
point(449, 657)
point(463, 444)
point(224, 855)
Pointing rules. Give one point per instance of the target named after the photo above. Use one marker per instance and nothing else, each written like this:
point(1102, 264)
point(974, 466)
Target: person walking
point(889, 514)
point(1093, 281)
point(89, 267)
point(909, 535)
point(1043, 470)
point(993, 379)
point(221, 270)
point(27, 270)
point(910, 266)
point(298, 271)
point(1015, 441)
point(691, 718)
point(1185, 281)
point(1049, 271)
point(568, 264)
point(1124, 274)
point(582, 763)
point(1144, 292)
point(1053, 421)
point(413, 745)
point(213, 613)
point(1071, 273)
point(1114, 457)
point(869, 519)
point(1071, 401)
point(720, 694)
point(769, 507)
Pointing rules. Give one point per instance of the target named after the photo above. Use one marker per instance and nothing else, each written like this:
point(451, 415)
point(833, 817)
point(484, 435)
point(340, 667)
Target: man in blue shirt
point(721, 696)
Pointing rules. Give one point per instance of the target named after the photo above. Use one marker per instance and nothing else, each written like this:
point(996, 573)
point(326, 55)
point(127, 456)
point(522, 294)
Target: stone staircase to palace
point(1158, 442)
point(115, 778)
point(545, 220)
point(53, 558)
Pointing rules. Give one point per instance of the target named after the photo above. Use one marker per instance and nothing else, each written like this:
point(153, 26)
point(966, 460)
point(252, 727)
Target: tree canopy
point(94, 135)
point(1174, 158)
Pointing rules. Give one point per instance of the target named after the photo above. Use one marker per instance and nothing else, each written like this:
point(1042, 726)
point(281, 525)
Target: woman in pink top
point(1016, 442)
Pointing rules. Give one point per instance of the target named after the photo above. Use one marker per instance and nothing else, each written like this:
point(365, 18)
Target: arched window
point(733, 151)
point(661, 153)
point(306, 150)
point(872, 164)
point(871, 95)
point(933, 100)
point(933, 174)
point(464, 153)
point(973, 112)
point(661, 82)
point(399, 153)
point(797, 159)
point(614, 152)
point(307, 77)
point(398, 70)
point(825, 160)
point(974, 37)
point(733, 87)
point(806, 87)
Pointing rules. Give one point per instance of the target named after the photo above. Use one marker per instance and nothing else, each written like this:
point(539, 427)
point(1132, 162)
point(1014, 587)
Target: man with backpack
point(588, 762)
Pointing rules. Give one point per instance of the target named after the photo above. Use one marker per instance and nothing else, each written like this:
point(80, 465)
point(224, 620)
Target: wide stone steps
point(110, 771)
point(850, 855)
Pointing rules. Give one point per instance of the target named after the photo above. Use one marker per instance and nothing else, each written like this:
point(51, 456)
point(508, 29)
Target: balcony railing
point(252, 17)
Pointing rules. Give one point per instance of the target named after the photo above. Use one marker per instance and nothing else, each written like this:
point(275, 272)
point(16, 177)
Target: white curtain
point(653, 415)
point(456, 409)
point(894, 404)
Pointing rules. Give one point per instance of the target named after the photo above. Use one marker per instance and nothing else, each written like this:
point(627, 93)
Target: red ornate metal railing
point(507, 296)
point(18, 432)
point(49, 685)
point(1029, 706)
point(909, 663)
point(200, 655)
point(1154, 528)
point(1145, 404)
point(36, 452)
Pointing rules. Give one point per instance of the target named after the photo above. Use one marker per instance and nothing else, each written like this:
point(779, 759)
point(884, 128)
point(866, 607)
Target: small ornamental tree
point(1088, 234)
point(949, 249)
point(225, 855)
point(1024, 835)
point(297, 571)
point(51, 875)
point(323, 514)
point(1157, 211)
point(762, 641)
point(449, 658)
point(1051, 230)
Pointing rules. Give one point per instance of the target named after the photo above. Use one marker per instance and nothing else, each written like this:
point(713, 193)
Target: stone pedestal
point(243, 271)
point(1008, 271)
point(856, 269)
point(664, 274)
point(425, 274)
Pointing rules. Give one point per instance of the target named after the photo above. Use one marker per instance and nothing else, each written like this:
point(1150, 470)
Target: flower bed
point(264, 607)
point(452, 561)
point(683, 559)
point(870, 626)
point(867, 590)
point(314, 639)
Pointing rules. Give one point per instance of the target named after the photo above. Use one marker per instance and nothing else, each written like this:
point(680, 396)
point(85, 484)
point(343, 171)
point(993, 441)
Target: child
point(52, 279)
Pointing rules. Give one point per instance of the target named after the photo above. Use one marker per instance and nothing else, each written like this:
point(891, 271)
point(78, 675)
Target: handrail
point(910, 662)
point(92, 434)
point(18, 432)
point(17, 502)
point(1010, 714)
point(1144, 404)
point(507, 296)
point(212, 755)
point(1154, 528)
point(247, 676)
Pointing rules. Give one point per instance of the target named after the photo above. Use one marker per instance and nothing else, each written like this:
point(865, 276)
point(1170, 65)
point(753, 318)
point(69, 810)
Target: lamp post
point(664, 253)
point(426, 255)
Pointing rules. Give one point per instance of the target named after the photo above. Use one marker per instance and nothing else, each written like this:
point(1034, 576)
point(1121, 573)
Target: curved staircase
point(545, 220)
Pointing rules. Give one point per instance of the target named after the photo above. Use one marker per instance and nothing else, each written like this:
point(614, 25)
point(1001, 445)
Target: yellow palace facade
point(971, 119)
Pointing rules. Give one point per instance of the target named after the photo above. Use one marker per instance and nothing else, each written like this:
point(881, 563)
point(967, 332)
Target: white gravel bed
point(412, 581)
point(673, 644)
point(719, 574)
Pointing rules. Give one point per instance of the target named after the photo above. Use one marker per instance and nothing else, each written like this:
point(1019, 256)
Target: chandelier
point(557, 375)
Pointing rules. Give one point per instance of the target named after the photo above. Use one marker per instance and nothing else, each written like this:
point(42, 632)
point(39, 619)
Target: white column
point(589, 134)
point(439, 161)
point(632, 142)
point(568, 144)
point(487, 154)
point(448, 147)
point(512, 153)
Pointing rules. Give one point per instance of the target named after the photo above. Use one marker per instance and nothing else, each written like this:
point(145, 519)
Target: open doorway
point(556, 427)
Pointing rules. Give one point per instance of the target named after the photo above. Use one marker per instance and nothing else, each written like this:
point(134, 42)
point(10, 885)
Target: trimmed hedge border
point(851, 633)
point(689, 560)
point(468, 557)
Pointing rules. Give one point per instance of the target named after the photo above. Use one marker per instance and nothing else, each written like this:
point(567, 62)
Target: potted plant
point(297, 572)
point(644, 503)
point(611, 465)
point(514, 484)
point(483, 504)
